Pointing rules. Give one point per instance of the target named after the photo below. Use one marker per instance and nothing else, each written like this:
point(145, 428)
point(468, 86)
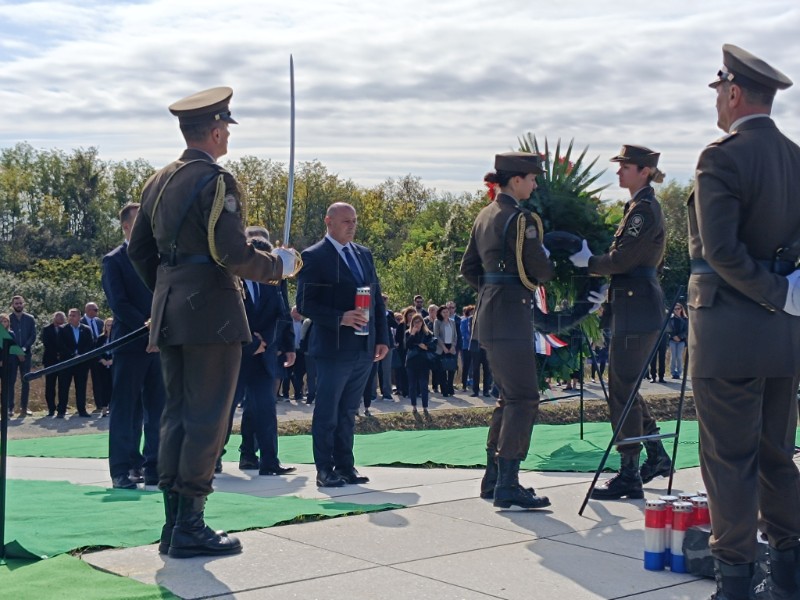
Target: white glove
point(546, 251)
point(597, 298)
point(287, 256)
point(581, 258)
point(793, 296)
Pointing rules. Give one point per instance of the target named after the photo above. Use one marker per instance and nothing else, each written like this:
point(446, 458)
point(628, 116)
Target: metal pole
point(5, 394)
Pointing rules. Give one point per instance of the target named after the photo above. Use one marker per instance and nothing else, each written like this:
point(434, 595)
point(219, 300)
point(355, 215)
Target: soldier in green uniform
point(637, 312)
point(744, 242)
point(504, 261)
point(188, 245)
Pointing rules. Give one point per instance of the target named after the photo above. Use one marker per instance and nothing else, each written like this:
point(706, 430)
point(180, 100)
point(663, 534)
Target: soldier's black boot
point(658, 462)
point(784, 568)
point(489, 480)
point(171, 513)
point(734, 582)
point(626, 483)
point(509, 492)
point(192, 537)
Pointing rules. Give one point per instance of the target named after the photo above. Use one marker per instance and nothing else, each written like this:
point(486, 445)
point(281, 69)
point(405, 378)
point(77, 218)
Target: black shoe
point(123, 482)
point(367, 413)
point(192, 537)
point(626, 483)
point(658, 462)
point(351, 476)
point(218, 466)
point(309, 401)
point(299, 397)
point(328, 478)
point(509, 492)
point(248, 464)
point(489, 480)
point(60, 416)
point(170, 514)
point(474, 394)
point(276, 470)
point(51, 413)
point(136, 475)
point(661, 380)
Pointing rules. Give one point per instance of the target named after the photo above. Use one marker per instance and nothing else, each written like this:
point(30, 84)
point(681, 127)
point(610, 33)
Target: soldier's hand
point(287, 257)
point(581, 258)
point(793, 294)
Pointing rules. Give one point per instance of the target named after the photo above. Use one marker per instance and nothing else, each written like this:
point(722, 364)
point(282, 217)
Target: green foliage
point(416, 272)
point(672, 197)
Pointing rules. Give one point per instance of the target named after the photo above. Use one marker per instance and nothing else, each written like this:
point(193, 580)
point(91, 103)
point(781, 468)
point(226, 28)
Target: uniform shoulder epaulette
point(723, 139)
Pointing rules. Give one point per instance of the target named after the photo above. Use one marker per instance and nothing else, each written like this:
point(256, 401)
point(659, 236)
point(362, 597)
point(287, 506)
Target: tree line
point(58, 217)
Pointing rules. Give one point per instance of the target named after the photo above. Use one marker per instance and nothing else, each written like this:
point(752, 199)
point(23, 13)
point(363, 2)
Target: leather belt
point(640, 273)
point(699, 266)
point(186, 259)
point(500, 278)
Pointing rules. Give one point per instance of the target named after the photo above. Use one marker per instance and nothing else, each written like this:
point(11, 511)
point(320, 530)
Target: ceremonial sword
point(287, 223)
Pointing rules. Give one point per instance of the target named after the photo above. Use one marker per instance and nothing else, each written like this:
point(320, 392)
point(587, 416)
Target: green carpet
point(45, 518)
point(554, 447)
point(66, 577)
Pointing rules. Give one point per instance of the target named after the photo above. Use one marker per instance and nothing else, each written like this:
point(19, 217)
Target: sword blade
point(287, 223)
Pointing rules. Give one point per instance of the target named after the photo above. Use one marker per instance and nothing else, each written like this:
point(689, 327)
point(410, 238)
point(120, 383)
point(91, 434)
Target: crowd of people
point(224, 334)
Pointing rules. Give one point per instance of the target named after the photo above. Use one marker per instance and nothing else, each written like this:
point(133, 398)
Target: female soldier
point(504, 261)
point(637, 311)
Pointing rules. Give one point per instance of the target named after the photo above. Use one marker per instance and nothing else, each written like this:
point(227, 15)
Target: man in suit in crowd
point(24, 327)
point(744, 242)
point(50, 357)
point(418, 302)
point(95, 324)
point(188, 245)
point(138, 395)
point(273, 335)
point(74, 338)
point(344, 352)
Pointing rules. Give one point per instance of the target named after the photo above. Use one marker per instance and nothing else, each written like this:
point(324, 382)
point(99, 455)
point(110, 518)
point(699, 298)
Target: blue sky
point(386, 89)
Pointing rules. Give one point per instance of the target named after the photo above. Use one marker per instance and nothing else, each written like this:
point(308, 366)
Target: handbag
point(449, 362)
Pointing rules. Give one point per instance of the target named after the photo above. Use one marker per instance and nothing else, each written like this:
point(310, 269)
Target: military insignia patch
point(531, 232)
point(231, 203)
point(634, 227)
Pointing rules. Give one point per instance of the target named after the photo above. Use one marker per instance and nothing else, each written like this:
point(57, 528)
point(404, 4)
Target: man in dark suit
point(138, 395)
point(344, 352)
point(744, 233)
point(95, 324)
point(74, 338)
point(273, 335)
point(188, 245)
point(24, 327)
point(49, 338)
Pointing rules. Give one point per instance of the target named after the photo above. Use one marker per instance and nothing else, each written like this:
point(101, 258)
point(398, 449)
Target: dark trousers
point(105, 386)
point(50, 385)
point(311, 377)
point(659, 359)
point(510, 430)
point(97, 385)
point(598, 366)
point(137, 400)
point(747, 436)
point(12, 374)
point(80, 374)
point(401, 374)
point(256, 391)
point(369, 387)
point(295, 374)
point(23, 365)
point(627, 357)
point(418, 385)
point(480, 361)
point(200, 381)
point(466, 365)
point(385, 374)
point(340, 387)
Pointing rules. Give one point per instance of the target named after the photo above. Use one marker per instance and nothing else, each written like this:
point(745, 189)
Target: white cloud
point(385, 89)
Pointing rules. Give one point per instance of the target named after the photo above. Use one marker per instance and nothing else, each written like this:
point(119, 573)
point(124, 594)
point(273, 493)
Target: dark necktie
point(351, 262)
point(255, 293)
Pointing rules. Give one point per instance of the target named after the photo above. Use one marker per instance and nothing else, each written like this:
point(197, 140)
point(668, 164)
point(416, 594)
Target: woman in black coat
point(420, 347)
point(102, 395)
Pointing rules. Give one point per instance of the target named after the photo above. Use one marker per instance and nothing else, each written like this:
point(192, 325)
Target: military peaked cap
point(638, 155)
point(518, 162)
point(208, 105)
point(747, 70)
